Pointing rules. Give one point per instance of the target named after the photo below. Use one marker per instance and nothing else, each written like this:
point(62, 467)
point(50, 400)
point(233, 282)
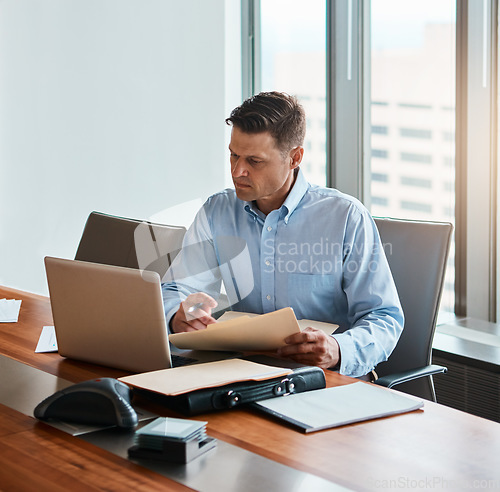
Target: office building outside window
point(293, 60)
point(413, 100)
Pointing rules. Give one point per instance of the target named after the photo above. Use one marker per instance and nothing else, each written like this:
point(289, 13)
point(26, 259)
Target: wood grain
point(43, 458)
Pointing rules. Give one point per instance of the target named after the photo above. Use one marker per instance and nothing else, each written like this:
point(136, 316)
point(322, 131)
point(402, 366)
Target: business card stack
point(171, 439)
point(153, 435)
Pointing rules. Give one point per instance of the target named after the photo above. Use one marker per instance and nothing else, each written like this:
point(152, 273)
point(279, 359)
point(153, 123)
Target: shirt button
point(268, 262)
point(268, 297)
point(269, 228)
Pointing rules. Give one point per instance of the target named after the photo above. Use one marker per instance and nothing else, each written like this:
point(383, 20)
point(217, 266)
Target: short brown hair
point(275, 112)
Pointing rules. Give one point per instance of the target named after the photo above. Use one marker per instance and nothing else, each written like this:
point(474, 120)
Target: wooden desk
point(436, 447)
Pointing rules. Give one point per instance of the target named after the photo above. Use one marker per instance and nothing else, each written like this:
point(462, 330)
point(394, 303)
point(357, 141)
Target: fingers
point(201, 297)
point(199, 306)
point(181, 322)
point(309, 335)
point(192, 325)
point(305, 342)
point(199, 301)
point(311, 347)
point(194, 313)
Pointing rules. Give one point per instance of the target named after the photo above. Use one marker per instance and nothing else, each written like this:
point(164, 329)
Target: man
point(278, 241)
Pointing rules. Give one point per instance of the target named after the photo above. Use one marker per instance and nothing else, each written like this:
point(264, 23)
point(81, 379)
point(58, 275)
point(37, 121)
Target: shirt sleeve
point(195, 268)
point(374, 311)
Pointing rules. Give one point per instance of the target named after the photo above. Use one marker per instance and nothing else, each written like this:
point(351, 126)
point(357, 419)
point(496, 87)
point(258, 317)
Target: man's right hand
point(194, 313)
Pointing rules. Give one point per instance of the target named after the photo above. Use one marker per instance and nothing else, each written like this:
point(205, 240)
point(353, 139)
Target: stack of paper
point(332, 407)
point(153, 435)
point(9, 310)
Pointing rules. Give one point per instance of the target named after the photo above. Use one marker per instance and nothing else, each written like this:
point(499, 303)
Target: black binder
point(235, 394)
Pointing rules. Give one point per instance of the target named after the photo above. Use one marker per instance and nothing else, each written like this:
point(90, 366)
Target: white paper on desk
point(47, 341)
point(332, 407)
point(251, 333)
point(9, 310)
point(178, 380)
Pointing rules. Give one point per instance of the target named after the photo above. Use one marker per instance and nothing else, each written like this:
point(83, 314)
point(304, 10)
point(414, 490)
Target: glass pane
point(413, 114)
point(293, 41)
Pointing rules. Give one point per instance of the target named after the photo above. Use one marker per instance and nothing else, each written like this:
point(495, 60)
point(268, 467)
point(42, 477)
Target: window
point(380, 130)
point(418, 182)
point(449, 161)
point(414, 133)
point(426, 208)
point(381, 201)
point(413, 71)
point(412, 157)
point(448, 186)
point(381, 154)
point(293, 60)
point(380, 177)
point(409, 105)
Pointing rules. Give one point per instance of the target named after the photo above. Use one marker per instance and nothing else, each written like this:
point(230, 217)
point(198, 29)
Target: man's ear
point(296, 155)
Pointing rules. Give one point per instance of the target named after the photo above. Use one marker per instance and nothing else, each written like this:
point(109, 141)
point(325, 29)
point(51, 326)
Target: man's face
point(259, 170)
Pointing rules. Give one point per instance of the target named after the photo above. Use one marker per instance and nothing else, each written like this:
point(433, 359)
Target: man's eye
point(253, 162)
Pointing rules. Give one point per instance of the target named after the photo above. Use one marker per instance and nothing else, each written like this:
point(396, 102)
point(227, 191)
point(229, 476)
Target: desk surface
point(436, 447)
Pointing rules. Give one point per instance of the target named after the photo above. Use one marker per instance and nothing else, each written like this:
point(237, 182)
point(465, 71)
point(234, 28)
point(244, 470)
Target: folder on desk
point(201, 388)
point(341, 405)
point(243, 332)
point(180, 380)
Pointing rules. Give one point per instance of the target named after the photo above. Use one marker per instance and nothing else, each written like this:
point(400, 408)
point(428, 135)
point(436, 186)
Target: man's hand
point(312, 347)
point(194, 313)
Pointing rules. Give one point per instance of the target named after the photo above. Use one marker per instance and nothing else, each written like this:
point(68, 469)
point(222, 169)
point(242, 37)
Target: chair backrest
point(129, 242)
point(417, 253)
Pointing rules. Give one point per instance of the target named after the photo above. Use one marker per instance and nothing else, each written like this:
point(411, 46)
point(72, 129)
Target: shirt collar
point(296, 194)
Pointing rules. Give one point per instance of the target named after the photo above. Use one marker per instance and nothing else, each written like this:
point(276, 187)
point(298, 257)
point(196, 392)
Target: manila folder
point(179, 380)
point(327, 328)
point(242, 334)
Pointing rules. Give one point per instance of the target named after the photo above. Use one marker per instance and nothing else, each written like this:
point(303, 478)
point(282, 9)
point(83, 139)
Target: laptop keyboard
point(181, 360)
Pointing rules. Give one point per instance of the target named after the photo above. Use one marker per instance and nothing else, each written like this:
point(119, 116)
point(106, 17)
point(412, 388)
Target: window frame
point(476, 160)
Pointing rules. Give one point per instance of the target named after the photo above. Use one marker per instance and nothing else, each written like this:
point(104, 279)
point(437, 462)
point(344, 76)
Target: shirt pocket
point(312, 296)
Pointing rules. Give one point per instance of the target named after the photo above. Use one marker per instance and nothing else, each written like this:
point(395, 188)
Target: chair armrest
point(402, 377)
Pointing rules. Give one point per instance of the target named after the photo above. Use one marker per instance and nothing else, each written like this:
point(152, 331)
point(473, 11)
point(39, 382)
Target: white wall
point(109, 105)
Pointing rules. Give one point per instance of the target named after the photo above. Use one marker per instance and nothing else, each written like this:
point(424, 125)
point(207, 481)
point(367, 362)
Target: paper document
point(245, 332)
point(9, 310)
point(183, 379)
point(47, 341)
point(332, 407)
point(328, 328)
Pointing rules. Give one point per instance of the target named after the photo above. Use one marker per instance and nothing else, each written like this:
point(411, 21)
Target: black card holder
point(237, 394)
point(175, 452)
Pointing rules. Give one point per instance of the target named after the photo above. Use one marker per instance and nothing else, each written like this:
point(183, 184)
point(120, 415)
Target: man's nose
point(239, 168)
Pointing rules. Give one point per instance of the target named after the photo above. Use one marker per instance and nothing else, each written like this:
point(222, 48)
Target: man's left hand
point(312, 347)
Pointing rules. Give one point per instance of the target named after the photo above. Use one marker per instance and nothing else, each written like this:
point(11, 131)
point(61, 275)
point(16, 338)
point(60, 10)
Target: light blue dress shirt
point(319, 253)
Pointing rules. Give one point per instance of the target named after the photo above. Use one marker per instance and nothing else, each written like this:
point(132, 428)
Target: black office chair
point(417, 253)
point(129, 242)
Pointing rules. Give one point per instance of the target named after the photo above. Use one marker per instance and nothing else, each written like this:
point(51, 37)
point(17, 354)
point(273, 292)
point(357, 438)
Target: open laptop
point(110, 315)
